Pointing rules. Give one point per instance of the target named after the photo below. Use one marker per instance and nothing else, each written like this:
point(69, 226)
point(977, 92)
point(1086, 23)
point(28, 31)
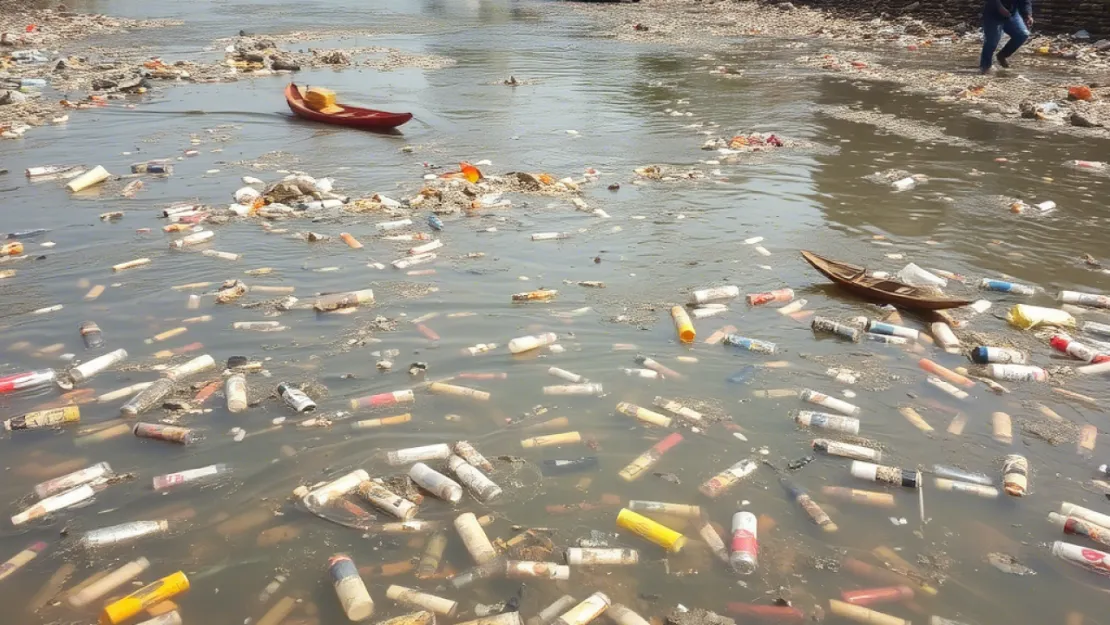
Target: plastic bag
point(1027, 317)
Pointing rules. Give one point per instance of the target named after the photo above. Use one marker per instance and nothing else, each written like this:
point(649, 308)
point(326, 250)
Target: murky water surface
point(672, 237)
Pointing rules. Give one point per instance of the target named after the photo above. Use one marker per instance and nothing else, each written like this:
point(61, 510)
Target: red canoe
point(350, 115)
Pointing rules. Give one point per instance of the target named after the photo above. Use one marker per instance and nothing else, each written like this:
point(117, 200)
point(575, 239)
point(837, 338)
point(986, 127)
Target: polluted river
point(452, 359)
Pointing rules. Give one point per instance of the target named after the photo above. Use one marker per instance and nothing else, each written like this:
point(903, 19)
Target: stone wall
point(1052, 16)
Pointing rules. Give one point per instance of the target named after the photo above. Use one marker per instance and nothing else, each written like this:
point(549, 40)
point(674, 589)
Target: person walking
point(1015, 18)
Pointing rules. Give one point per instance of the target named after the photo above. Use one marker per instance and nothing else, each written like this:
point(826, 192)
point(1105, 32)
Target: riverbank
point(932, 61)
point(51, 52)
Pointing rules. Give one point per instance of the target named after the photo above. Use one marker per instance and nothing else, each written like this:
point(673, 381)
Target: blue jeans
point(993, 26)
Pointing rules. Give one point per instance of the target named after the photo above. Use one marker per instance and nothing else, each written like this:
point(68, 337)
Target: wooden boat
point(350, 116)
point(855, 279)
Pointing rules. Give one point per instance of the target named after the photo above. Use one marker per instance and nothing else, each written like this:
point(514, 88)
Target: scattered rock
point(284, 63)
point(335, 57)
point(529, 181)
point(917, 29)
point(131, 84)
point(12, 97)
point(103, 84)
point(785, 6)
point(1082, 120)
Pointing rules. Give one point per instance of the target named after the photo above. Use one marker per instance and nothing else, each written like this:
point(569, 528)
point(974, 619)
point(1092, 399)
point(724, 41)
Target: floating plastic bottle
point(586, 611)
point(944, 471)
point(108, 583)
point(483, 488)
point(704, 296)
point(752, 345)
point(1084, 299)
point(652, 531)
point(824, 420)
point(1002, 355)
point(1006, 287)
point(1017, 373)
point(890, 329)
point(385, 499)
point(1079, 527)
point(85, 371)
point(847, 450)
point(683, 326)
point(124, 532)
point(1100, 329)
point(162, 432)
point(27, 380)
point(863, 497)
point(945, 337)
point(336, 488)
point(349, 587)
point(744, 545)
point(649, 458)
point(714, 486)
point(814, 511)
point(831, 403)
point(40, 419)
point(778, 295)
point(986, 492)
point(295, 398)
point(147, 398)
point(435, 482)
point(73, 480)
point(574, 389)
point(825, 324)
point(1077, 350)
point(1093, 560)
point(169, 480)
point(526, 343)
point(54, 503)
point(894, 476)
point(414, 598)
point(1015, 475)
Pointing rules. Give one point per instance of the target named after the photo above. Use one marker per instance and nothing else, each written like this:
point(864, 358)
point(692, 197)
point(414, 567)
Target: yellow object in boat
point(321, 99)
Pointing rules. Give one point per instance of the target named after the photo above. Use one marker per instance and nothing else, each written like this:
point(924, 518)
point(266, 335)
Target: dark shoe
point(984, 70)
point(1002, 60)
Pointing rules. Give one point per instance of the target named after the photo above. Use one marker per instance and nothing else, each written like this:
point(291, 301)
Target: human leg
point(1019, 34)
point(992, 35)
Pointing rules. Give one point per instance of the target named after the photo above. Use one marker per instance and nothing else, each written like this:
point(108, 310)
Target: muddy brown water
point(673, 237)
